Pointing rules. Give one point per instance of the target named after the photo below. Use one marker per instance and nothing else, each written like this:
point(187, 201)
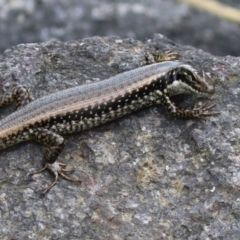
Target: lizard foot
point(58, 170)
point(200, 112)
point(203, 111)
point(161, 57)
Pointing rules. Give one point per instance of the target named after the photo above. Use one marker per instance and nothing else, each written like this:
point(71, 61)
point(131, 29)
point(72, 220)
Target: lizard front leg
point(196, 112)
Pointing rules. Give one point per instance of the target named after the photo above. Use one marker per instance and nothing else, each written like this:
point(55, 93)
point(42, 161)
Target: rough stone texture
point(27, 21)
point(145, 176)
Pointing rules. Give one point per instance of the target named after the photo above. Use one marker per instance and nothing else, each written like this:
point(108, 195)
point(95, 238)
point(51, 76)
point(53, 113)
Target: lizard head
point(186, 80)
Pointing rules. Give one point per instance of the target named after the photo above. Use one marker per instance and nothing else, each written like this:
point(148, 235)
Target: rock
point(145, 176)
point(38, 21)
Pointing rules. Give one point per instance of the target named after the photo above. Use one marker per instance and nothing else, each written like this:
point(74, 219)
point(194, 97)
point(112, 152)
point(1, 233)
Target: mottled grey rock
point(144, 176)
point(27, 21)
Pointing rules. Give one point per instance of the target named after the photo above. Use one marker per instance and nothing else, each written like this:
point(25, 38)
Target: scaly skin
point(84, 107)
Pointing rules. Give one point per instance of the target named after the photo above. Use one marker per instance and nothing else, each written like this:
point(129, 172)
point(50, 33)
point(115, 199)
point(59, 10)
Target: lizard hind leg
point(19, 94)
point(55, 144)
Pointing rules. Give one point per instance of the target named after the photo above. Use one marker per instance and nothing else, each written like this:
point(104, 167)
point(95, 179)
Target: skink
point(84, 107)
